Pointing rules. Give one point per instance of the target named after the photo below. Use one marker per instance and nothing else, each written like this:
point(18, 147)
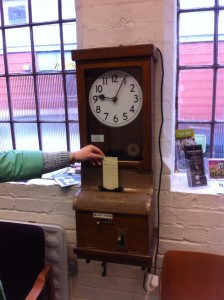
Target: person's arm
point(19, 165)
point(57, 160)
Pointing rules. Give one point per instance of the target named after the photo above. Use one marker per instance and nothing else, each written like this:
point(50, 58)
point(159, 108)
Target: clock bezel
point(102, 59)
point(115, 101)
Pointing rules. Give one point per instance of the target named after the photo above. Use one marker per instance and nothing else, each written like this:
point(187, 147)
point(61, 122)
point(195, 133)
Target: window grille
point(38, 99)
point(200, 71)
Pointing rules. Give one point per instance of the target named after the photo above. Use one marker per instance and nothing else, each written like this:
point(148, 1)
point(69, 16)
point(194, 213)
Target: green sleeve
point(20, 165)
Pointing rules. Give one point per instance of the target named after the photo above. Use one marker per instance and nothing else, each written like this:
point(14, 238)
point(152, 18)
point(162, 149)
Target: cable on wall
point(160, 155)
point(148, 281)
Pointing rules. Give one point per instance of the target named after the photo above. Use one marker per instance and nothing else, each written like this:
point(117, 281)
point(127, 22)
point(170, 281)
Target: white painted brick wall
point(188, 221)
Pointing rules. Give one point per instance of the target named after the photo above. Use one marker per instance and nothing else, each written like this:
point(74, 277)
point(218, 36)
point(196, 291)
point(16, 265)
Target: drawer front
point(113, 232)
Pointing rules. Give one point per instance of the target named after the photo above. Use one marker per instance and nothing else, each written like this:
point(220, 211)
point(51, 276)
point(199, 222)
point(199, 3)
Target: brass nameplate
point(103, 216)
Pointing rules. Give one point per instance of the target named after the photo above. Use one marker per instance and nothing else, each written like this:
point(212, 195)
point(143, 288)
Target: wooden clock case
point(116, 226)
point(92, 62)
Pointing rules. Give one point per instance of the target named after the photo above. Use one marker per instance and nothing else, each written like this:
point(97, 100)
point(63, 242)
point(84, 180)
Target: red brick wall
point(196, 86)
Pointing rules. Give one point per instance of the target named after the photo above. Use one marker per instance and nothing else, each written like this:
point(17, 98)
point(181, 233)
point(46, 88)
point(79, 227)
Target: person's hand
point(90, 152)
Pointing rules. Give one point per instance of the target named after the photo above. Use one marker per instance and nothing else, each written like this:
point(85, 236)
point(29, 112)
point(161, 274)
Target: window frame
point(63, 71)
point(215, 66)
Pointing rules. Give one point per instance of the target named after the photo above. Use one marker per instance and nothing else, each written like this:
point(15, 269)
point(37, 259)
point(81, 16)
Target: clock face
point(115, 98)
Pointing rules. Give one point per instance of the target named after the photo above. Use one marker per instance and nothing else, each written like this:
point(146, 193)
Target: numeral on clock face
point(115, 98)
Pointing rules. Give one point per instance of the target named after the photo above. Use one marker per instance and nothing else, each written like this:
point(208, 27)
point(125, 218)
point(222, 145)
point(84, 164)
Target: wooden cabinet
point(116, 226)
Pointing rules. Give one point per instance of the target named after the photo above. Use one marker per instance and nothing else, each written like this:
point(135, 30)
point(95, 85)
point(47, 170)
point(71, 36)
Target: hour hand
point(102, 97)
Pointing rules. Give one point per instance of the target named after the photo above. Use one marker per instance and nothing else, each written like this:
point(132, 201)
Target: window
point(200, 71)
point(38, 101)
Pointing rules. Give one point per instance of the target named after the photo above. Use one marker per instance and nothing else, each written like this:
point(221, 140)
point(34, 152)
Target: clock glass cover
point(115, 98)
point(114, 102)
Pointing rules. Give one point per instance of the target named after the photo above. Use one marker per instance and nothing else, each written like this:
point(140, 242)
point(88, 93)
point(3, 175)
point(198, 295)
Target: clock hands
point(114, 99)
point(102, 97)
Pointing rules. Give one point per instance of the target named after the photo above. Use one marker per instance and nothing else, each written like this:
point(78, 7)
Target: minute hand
point(115, 97)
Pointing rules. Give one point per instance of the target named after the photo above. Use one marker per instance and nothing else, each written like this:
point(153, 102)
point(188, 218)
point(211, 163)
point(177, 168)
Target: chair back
point(192, 276)
point(22, 252)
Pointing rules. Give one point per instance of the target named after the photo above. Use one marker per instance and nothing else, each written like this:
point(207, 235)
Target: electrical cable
point(160, 174)
point(147, 296)
point(161, 158)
